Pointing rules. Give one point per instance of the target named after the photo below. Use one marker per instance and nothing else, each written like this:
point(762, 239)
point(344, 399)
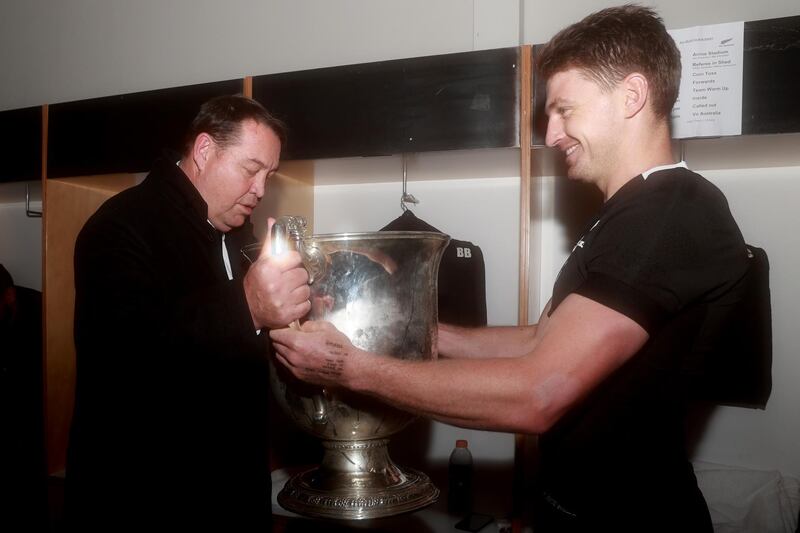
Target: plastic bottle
point(459, 475)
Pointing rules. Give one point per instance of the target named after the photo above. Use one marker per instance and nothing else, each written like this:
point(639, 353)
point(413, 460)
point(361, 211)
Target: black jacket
point(171, 415)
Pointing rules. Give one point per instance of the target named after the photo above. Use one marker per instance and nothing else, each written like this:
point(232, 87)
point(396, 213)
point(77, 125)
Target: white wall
point(542, 21)
point(470, 195)
point(762, 196)
point(74, 49)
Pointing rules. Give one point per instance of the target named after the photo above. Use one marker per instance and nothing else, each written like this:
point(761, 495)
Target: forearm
point(489, 342)
point(526, 394)
point(484, 394)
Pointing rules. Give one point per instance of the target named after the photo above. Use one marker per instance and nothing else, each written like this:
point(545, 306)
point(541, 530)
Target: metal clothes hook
point(406, 197)
point(28, 211)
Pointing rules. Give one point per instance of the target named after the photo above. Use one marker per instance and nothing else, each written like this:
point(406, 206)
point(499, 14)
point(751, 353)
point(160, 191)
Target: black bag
point(734, 347)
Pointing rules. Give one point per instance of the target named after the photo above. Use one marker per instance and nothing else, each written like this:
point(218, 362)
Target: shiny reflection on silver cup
point(379, 289)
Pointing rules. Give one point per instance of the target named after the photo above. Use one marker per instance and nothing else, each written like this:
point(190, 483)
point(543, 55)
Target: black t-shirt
point(660, 251)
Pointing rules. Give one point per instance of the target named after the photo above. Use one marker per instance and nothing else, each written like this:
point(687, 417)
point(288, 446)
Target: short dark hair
point(222, 117)
point(614, 42)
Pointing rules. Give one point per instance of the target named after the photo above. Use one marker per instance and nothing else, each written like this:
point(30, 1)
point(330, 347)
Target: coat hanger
point(408, 221)
point(406, 196)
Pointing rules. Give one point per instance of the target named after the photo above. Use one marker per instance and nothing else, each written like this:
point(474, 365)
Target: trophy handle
point(288, 228)
point(290, 231)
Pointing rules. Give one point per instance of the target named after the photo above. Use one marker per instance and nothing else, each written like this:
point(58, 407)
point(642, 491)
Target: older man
point(171, 418)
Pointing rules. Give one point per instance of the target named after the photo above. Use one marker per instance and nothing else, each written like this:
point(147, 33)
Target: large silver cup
point(379, 289)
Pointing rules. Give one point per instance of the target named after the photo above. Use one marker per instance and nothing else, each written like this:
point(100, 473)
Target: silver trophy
point(379, 289)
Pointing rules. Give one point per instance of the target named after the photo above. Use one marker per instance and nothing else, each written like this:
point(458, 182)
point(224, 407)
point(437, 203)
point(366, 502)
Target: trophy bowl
point(379, 289)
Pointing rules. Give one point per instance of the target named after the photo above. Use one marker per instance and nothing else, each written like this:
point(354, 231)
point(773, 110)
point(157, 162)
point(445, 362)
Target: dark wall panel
point(21, 142)
point(124, 133)
point(771, 70)
point(334, 112)
point(445, 102)
point(466, 100)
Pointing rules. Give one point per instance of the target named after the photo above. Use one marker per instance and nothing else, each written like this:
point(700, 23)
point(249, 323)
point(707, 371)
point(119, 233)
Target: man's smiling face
point(583, 123)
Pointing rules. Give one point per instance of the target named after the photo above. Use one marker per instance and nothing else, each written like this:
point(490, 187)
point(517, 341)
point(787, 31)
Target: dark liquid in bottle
point(459, 495)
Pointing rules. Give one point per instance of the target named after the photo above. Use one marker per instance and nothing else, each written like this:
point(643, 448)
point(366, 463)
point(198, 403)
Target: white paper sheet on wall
point(710, 99)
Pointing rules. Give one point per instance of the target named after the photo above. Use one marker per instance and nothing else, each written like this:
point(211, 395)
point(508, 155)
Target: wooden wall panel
point(68, 204)
point(289, 192)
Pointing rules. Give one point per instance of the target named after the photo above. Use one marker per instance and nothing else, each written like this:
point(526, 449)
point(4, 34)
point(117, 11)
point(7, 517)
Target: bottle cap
point(460, 443)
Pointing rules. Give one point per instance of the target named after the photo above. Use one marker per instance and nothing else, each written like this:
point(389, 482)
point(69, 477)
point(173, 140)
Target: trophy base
point(357, 481)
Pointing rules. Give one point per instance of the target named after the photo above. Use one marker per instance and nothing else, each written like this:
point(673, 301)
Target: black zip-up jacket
point(171, 416)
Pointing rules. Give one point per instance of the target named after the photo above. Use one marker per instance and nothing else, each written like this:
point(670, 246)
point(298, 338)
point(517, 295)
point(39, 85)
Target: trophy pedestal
point(357, 480)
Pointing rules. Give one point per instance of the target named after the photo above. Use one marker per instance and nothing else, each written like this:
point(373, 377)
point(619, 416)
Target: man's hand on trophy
point(276, 286)
point(317, 353)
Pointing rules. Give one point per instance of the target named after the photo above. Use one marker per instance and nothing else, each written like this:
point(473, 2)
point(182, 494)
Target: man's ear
point(201, 150)
point(637, 91)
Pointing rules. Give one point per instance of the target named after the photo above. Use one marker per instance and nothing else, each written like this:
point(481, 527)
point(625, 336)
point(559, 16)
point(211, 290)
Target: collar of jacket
point(168, 177)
